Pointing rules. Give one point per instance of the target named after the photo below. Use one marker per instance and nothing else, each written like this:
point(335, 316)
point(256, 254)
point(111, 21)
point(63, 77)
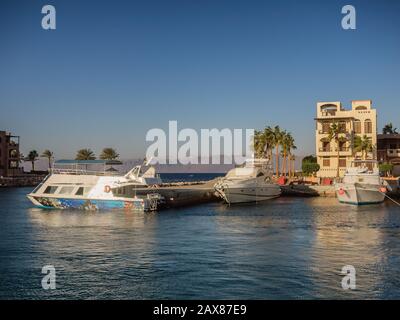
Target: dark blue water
point(289, 248)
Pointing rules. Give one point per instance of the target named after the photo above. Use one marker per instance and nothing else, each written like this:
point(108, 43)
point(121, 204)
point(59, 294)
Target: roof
point(388, 136)
point(73, 162)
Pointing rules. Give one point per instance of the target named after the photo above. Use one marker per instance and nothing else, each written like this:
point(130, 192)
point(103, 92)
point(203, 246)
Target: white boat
point(251, 183)
point(362, 184)
point(79, 188)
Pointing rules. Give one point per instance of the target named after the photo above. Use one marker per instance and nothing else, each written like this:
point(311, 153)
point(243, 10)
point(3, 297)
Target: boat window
point(66, 190)
point(82, 191)
point(50, 189)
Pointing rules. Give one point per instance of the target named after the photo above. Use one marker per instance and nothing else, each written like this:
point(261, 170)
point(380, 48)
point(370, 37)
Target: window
point(342, 127)
point(367, 126)
point(13, 153)
point(66, 190)
point(342, 146)
point(326, 162)
point(326, 146)
point(50, 189)
point(342, 162)
point(357, 126)
point(82, 191)
point(325, 127)
point(13, 164)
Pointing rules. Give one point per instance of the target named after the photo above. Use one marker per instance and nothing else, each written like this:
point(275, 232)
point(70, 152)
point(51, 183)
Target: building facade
point(360, 120)
point(9, 155)
point(389, 151)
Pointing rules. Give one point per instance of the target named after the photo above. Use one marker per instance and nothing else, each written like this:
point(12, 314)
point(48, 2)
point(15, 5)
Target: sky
point(112, 70)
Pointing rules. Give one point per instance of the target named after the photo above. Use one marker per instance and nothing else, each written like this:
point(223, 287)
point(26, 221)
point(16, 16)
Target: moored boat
point(78, 188)
point(251, 183)
point(362, 184)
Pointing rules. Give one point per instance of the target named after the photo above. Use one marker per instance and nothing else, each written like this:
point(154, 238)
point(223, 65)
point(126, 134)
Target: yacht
point(77, 188)
point(362, 184)
point(250, 183)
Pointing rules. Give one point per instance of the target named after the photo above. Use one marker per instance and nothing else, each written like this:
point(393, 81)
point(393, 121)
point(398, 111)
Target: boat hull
point(239, 194)
point(359, 194)
point(90, 204)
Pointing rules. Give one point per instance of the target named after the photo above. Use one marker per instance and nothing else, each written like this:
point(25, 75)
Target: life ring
point(383, 189)
point(341, 191)
point(107, 189)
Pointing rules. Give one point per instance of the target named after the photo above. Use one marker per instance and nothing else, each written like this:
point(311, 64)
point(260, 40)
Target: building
point(359, 121)
point(9, 155)
point(389, 151)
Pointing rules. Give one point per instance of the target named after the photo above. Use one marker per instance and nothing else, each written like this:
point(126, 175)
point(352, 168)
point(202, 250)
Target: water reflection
point(286, 248)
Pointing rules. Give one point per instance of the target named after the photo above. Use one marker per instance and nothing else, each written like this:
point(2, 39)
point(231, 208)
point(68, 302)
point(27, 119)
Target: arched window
point(368, 126)
point(361, 108)
point(357, 126)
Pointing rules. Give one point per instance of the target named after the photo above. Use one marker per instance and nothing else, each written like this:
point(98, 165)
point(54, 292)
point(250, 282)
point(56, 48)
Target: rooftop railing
point(83, 172)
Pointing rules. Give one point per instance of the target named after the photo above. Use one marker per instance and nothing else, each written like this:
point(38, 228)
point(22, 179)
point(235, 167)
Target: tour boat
point(78, 188)
point(250, 183)
point(362, 184)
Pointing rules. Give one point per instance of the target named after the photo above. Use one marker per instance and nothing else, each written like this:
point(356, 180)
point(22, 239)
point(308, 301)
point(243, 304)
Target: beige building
point(359, 121)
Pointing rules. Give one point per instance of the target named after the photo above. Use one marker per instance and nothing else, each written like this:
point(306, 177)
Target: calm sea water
point(289, 248)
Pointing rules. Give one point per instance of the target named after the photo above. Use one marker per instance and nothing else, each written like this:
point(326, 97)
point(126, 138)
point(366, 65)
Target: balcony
point(393, 152)
point(343, 151)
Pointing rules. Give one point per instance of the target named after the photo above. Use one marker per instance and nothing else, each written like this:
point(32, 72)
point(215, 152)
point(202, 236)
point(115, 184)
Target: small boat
point(362, 184)
point(250, 183)
point(77, 188)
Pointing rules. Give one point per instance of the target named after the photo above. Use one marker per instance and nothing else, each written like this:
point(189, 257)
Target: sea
point(287, 248)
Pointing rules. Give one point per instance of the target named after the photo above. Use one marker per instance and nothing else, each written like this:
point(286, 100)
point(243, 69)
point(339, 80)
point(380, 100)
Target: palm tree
point(388, 129)
point(49, 155)
point(259, 144)
point(287, 143)
point(291, 147)
point(292, 159)
point(276, 138)
point(263, 140)
point(363, 145)
point(32, 157)
point(85, 154)
point(334, 134)
point(109, 154)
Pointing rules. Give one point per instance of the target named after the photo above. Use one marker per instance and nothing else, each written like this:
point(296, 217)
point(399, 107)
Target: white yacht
point(362, 184)
point(77, 188)
point(250, 183)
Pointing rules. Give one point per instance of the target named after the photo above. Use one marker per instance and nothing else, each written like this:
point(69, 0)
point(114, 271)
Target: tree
point(259, 144)
point(309, 165)
point(388, 129)
point(85, 154)
point(32, 157)
point(49, 155)
point(109, 154)
point(334, 134)
point(276, 138)
point(287, 144)
point(386, 168)
point(363, 145)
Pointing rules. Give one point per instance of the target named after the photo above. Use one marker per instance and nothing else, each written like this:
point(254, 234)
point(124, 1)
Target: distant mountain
point(42, 164)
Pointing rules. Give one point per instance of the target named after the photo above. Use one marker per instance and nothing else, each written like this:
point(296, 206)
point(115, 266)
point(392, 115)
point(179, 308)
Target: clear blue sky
point(115, 69)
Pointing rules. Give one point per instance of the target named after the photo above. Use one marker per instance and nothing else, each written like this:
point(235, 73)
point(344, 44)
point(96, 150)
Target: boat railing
point(82, 172)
